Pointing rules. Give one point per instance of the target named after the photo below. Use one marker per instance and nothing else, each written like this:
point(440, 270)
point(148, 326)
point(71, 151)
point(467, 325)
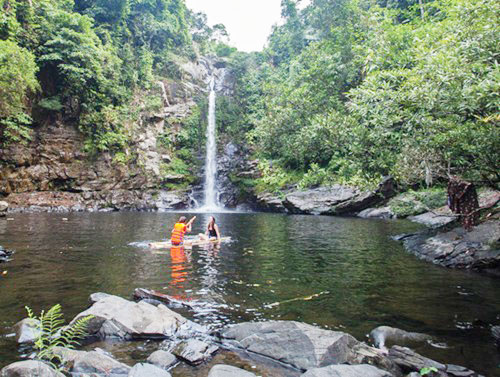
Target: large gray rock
point(222, 370)
point(410, 361)
point(162, 359)
point(29, 368)
point(364, 354)
point(433, 219)
point(194, 351)
point(386, 336)
point(115, 317)
point(300, 345)
point(270, 202)
point(363, 370)
point(319, 201)
point(147, 370)
point(81, 363)
point(376, 213)
point(457, 248)
point(98, 296)
point(27, 330)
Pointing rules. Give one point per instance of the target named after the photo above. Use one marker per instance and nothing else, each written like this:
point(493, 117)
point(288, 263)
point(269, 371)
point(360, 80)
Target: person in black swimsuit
point(212, 232)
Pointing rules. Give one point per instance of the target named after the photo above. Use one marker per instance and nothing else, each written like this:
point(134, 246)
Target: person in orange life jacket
point(181, 228)
point(212, 232)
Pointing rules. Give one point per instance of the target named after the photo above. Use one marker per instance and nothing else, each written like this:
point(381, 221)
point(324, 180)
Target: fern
point(53, 333)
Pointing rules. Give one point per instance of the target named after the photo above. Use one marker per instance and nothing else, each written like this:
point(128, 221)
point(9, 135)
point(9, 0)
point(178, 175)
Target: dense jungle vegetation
point(346, 91)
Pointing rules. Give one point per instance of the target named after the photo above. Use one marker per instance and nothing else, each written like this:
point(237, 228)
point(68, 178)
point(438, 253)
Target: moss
point(414, 203)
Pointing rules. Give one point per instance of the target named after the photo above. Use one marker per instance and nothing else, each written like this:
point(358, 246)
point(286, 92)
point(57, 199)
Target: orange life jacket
point(178, 233)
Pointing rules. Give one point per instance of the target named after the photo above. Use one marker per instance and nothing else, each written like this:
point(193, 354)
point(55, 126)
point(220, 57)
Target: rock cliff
point(54, 173)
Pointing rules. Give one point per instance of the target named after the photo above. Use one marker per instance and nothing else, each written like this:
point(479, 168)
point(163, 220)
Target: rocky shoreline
point(288, 348)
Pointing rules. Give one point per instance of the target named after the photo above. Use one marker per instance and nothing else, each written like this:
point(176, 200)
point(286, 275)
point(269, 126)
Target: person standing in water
point(212, 232)
point(180, 229)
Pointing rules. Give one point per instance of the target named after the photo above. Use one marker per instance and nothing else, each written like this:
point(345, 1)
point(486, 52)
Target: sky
point(248, 22)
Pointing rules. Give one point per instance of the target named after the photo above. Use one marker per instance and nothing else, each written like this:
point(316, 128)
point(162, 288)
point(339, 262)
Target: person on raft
point(180, 229)
point(212, 232)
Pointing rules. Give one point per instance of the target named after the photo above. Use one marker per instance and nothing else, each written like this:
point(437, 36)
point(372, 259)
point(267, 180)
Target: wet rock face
point(385, 336)
point(222, 370)
point(115, 317)
point(29, 368)
point(363, 370)
point(458, 248)
point(297, 344)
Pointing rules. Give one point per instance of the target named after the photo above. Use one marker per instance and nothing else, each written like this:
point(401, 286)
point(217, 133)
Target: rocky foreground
point(292, 348)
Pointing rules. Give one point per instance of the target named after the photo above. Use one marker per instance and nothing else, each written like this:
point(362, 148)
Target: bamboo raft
point(187, 243)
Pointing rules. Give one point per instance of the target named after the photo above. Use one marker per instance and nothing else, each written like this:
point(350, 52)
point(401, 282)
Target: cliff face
point(54, 173)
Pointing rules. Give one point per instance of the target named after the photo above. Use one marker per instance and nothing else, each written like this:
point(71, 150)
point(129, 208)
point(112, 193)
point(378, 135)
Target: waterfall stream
point(211, 201)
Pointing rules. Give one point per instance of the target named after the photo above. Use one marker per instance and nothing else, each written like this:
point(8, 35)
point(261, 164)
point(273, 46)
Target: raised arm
point(190, 222)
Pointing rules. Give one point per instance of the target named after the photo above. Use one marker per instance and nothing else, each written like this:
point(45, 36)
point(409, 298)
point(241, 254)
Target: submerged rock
point(162, 359)
point(495, 330)
point(81, 363)
point(297, 344)
point(385, 336)
point(457, 248)
point(222, 370)
point(363, 370)
point(27, 330)
point(147, 370)
point(116, 317)
point(194, 351)
point(29, 368)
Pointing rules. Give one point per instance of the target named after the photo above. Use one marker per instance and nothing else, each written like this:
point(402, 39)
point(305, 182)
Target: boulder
point(222, 370)
point(383, 336)
point(458, 248)
point(319, 201)
point(115, 317)
point(162, 359)
point(194, 351)
point(376, 213)
point(364, 354)
point(4, 206)
point(297, 344)
point(433, 219)
point(81, 363)
point(147, 370)
point(363, 370)
point(29, 368)
point(270, 202)
point(27, 330)
point(410, 361)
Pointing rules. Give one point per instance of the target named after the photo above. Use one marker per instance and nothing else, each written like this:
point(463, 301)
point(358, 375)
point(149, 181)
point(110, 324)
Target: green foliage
point(428, 370)
point(17, 79)
point(414, 203)
point(53, 333)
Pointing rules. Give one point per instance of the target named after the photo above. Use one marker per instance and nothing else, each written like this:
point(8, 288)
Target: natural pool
point(338, 273)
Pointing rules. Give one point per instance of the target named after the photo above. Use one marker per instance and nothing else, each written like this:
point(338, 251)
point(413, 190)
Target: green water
point(337, 273)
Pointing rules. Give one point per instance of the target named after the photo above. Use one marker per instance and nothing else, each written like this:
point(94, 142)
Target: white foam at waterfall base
point(211, 203)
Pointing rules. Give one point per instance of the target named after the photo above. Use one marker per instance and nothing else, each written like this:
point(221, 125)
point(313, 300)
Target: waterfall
point(211, 201)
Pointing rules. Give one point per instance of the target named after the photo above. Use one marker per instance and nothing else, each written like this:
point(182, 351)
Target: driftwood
point(149, 294)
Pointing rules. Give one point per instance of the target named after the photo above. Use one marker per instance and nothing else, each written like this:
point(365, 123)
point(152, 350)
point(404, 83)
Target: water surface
point(337, 273)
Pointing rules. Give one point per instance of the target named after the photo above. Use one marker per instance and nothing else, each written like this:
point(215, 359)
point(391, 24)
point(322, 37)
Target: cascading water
point(211, 201)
